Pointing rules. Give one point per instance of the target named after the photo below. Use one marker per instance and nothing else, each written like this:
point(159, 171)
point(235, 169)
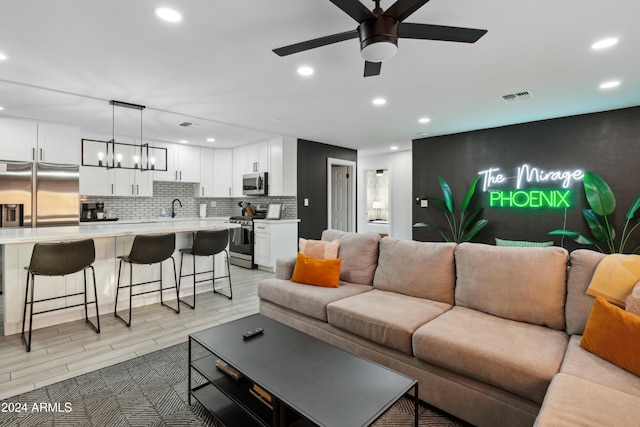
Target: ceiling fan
point(380, 30)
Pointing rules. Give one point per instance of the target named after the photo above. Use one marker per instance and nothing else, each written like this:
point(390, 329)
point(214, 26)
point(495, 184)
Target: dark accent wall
point(606, 143)
point(312, 184)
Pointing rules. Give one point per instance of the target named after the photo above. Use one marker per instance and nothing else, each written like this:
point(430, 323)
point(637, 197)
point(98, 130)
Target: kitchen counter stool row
point(64, 258)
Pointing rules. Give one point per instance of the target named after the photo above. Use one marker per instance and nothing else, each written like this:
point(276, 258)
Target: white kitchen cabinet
point(223, 172)
point(257, 157)
point(239, 164)
point(205, 187)
point(274, 239)
point(283, 168)
point(26, 140)
point(18, 139)
point(183, 164)
point(96, 181)
point(58, 144)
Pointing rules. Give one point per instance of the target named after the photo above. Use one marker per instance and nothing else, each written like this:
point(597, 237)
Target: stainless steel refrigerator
point(40, 194)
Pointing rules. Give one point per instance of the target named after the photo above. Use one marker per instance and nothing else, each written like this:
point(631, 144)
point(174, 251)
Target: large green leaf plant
point(462, 224)
point(602, 203)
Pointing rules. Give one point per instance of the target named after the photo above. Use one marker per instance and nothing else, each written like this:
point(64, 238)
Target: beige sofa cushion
point(580, 363)
point(518, 357)
point(306, 299)
point(582, 265)
point(524, 284)
point(359, 253)
point(573, 401)
point(386, 318)
point(418, 269)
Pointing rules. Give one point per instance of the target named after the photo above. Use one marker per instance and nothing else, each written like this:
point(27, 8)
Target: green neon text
point(530, 199)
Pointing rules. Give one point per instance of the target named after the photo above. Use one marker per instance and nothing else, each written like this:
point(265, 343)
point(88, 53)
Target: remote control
point(253, 333)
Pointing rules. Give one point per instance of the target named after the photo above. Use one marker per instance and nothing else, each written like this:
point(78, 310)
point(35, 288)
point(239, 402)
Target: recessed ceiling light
point(610, 84)
point(379, 101)
point(167, 14)
point(424, 120)
point(305, 71)
point(211, 140)
point(393, 147)
point(604, 43)
point(1, 108)
point(184, 141)
point(2, 56)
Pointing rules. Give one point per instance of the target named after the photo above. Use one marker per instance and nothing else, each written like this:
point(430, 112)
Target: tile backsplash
point(165, 192)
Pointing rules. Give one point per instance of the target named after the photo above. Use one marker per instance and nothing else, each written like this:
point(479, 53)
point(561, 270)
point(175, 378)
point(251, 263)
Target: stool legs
point(213, 277)
point(192, 306)
point(127, 322)
point(230, 296)
point(31, 282)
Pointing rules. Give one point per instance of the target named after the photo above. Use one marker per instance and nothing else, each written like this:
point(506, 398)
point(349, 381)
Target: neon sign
point(524, 176)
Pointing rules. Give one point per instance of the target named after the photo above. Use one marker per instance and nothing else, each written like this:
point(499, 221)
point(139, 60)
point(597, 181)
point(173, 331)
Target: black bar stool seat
point(60, 259)
point(147, 250)
point(207, 243)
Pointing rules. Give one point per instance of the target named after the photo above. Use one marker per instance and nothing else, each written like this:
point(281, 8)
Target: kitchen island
point(112, 239)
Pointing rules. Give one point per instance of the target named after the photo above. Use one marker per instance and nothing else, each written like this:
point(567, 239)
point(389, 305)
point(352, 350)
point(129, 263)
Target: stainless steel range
point(241, 240)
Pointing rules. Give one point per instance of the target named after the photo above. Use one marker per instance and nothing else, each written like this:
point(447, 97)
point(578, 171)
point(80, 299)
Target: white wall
point(399, 165)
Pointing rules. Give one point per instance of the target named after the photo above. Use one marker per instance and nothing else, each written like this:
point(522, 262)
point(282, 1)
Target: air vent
point(510, 97)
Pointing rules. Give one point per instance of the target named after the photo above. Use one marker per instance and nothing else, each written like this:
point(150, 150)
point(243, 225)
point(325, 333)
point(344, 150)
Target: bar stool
point(60, 259)
point(147, 250)
point(207, 243)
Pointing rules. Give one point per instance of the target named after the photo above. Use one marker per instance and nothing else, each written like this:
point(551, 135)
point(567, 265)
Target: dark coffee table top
point(323, 383)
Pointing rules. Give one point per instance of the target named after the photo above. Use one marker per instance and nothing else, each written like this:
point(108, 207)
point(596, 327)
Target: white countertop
point(110, 229)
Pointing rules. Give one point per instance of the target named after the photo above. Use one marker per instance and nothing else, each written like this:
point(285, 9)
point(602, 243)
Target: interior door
point(340, 197)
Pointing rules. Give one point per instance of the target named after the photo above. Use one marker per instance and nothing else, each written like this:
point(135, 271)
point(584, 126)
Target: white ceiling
point(67, 58)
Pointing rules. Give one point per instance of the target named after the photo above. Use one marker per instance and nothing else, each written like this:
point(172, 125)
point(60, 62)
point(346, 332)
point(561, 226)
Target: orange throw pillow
point(318, 272)
point(614, 335)
point(319, 248)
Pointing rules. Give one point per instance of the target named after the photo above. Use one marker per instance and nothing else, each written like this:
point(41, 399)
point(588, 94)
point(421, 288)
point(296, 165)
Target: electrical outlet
point(214, 204)
point(424, 203)
point(306, 202)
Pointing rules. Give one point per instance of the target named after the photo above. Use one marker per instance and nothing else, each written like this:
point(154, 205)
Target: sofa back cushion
point(523, 284)
point(417, 269)
point(359, 253)
point(582, 265)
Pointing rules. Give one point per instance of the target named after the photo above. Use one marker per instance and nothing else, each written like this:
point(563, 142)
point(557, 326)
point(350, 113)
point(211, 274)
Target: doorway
point(341, 194)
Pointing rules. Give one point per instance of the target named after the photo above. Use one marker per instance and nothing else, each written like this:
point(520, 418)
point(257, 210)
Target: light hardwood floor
point(65, 351)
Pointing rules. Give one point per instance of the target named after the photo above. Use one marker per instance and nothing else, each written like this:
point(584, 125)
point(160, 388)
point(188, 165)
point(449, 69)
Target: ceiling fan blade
point(372, 68)
point(439, 32)
point(312, 44)
point(401, 9)
point(354, 9)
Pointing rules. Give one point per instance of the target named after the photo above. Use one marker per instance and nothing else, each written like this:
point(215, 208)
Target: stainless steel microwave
point(255, 184)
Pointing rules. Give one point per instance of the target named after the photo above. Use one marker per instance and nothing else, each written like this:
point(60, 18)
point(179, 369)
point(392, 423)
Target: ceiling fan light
point(379, 51)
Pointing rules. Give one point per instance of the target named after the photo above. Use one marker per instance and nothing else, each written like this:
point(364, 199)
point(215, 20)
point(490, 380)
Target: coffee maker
point(88, 212)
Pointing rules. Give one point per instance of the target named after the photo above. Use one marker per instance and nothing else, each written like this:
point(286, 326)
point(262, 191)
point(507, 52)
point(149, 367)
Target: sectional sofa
point(491, 333)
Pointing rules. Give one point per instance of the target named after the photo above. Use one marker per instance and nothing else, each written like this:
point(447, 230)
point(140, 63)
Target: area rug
point(149, 390)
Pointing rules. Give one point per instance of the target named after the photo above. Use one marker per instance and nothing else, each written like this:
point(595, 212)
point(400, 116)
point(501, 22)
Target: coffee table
point(310, 381)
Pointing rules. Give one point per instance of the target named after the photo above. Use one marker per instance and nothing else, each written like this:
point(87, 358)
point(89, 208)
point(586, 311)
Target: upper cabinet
point(216, 167)
point(276, 156)
point(25, 140)
point(58, 143)
point(183, 164)
point(223, 172)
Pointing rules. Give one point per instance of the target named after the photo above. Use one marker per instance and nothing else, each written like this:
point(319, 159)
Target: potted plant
point(462, 224)
point(602, 203)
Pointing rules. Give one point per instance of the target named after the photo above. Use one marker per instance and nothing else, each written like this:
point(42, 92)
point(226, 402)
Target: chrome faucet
point(173, 208)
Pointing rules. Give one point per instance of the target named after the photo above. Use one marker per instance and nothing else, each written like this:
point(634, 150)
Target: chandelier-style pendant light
point(143, 148)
